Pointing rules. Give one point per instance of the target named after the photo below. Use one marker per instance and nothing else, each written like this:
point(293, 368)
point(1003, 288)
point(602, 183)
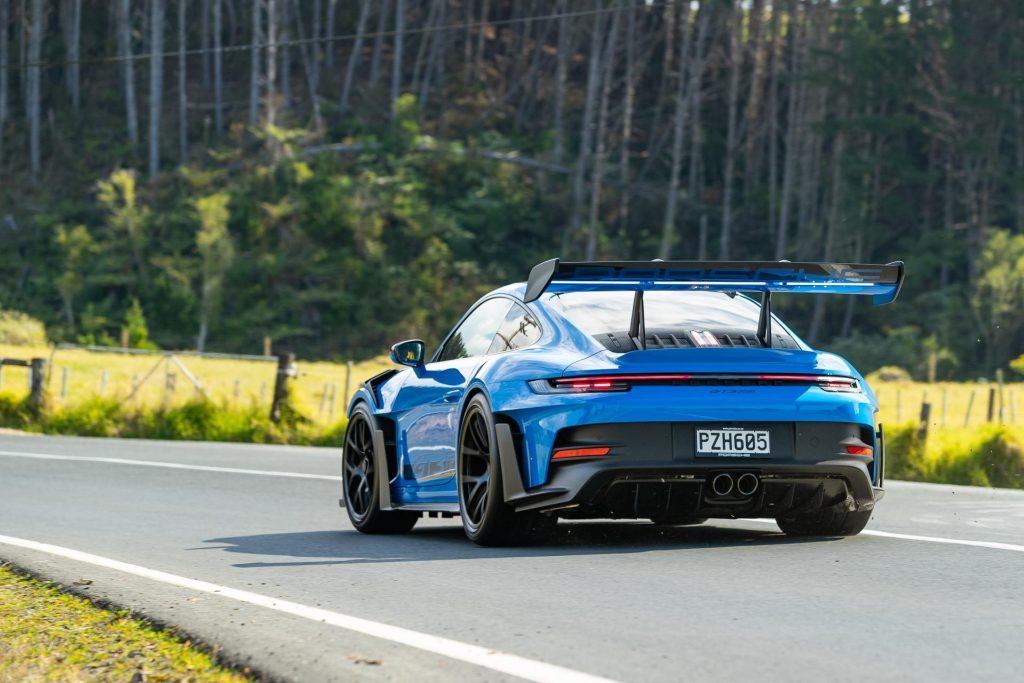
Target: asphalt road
point(625, 601)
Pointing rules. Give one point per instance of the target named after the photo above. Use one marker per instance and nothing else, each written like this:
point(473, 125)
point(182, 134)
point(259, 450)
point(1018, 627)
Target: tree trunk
point(586, 130)
point(204, 44)
point(668, 226)
point(561, 76)
point(773, 122)
point(437, 40)
point(284, 55)
point(218, 80)
point(481, 30)
point(332, 8)
point(607, 71)
point(695, 91)
point(629, 100)
point(5, 20)
point(792, 137)
point(396, 61)
point(35, 45)
point(271, 105)
point(124, 48)
point(182, 83)
point(254, 64)
point(835, 201)
point(736, 59)
point(314, 51)
point(71, 23)
point(753, 115)
point(378, 42)
point(426, 39)
point(156, 83)
point(1018, 189)
point(308, 58)
point(353, 57)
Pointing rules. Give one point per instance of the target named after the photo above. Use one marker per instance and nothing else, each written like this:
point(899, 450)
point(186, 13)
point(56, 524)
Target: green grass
point(195, 420)
point(49, 635)
point(988, 455)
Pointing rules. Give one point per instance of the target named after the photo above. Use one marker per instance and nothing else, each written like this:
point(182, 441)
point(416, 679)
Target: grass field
point(239, 382)
point(48, 635)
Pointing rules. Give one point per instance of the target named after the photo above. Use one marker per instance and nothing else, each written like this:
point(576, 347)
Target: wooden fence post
point(37, 391)
point(922, 424)
point(970, 402)
point(285, 371)
point(991, 403)
point(323, 399)
point(999, 383)
point(63, 384)
point(348, 380)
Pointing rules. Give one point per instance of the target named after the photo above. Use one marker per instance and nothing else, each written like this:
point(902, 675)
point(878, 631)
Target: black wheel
point(359, 477)
point(486, 518)
point(677, 520)
point(829, 522)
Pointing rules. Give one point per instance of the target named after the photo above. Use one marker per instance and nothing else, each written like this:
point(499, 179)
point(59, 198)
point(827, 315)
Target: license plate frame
point(732, 442)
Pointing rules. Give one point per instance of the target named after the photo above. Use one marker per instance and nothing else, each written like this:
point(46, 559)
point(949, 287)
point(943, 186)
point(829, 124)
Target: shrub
point(21, 329)
point(889, 373)
point(992, 455)
point(93, 417)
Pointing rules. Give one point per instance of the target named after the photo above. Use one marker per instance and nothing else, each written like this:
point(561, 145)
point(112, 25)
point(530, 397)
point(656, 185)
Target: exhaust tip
point(747, 483)
point(722, 484)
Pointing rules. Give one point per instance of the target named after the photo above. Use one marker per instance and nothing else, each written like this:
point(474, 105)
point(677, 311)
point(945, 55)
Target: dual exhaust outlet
point(742, 485)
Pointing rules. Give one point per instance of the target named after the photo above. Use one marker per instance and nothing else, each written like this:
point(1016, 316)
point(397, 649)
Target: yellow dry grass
point(228, 380)
point(954, 405)
point(243, 382)
point(47, 635)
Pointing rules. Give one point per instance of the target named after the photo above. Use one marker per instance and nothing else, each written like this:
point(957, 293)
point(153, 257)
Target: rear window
point(672, 319)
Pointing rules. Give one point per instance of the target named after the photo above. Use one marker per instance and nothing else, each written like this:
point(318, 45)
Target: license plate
point(733, 443)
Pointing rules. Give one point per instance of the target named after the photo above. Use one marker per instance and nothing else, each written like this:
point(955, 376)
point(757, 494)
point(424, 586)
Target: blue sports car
point(627, 390)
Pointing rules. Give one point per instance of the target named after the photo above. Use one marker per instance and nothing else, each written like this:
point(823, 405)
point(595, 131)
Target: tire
point(830, 522)
point(486, 518)
point(677, 520)
point(359, 481)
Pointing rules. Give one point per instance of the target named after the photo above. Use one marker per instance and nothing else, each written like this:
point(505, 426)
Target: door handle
point(452, 396)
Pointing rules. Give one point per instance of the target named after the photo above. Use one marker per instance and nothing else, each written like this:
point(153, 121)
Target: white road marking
point(994, 545)
point(171, 465)
point(494, 660)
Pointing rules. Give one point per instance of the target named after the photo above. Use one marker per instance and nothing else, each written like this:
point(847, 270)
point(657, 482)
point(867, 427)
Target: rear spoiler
point(881, 282)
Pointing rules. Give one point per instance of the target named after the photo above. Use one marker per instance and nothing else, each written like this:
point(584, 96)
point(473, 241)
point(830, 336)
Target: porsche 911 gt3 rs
point(656, 390)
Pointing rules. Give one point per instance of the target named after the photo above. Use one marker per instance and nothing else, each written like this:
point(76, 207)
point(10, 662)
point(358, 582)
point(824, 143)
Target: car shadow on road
point(436, 543)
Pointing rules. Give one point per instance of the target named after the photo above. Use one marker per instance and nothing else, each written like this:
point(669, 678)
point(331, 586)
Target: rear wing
point(881, 282)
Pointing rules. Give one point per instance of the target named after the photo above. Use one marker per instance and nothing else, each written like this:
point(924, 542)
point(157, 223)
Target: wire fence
point(74, 374)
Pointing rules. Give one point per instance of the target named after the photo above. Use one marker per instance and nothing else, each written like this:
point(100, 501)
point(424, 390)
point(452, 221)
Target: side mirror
point(409, 353)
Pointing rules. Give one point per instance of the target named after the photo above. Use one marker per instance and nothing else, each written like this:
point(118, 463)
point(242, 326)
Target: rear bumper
point(657, 484)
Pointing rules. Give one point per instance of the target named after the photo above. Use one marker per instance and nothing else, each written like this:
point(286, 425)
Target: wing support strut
point(637, 329)
point(764, 322)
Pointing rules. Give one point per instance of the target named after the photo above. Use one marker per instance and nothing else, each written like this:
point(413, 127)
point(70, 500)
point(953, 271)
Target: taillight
point(590, 452)
point(826, 382)
point(578, 385)
point(623, 382)
point(860, 450)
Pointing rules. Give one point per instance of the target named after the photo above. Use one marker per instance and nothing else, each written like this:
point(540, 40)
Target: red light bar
point(580, 452)
point(860, 450)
